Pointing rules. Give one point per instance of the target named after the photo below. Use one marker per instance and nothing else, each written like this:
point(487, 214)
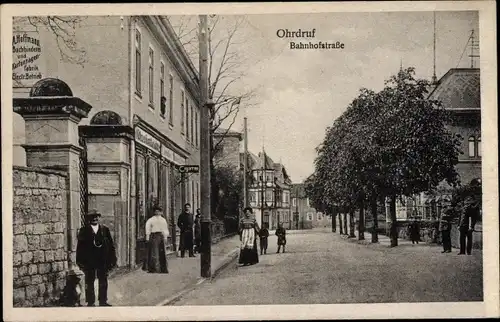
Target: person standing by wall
point(467, 223)
point(95, 255)
point(185, 223)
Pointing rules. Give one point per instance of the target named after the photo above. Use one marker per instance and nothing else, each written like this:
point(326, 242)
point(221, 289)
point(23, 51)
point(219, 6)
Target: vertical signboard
point(26, 58)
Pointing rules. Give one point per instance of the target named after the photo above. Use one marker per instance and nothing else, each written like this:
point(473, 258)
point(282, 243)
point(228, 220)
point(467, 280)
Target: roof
point(298, 189)
point(228, 133)
point(459, 89)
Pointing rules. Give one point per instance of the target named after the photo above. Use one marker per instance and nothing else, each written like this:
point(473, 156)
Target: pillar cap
point(51, 96)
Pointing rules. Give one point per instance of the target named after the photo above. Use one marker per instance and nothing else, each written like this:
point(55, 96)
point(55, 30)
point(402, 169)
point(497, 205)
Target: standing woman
point(249, 229)
point(156, 237)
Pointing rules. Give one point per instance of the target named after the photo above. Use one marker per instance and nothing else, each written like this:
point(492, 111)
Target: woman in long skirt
point(249, 230)
point(156, 237)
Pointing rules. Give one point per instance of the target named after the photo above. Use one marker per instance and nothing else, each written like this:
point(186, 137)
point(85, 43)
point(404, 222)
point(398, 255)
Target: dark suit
point(95, 254)
point(185, 223)
point(466, 225)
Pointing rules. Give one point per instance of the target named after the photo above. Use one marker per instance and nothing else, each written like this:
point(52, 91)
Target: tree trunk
point(361, 225)
point(394, 225)
point(351, 225)
point(375, 220)
point(345, 224)
point(341, 230)
point(334, 220)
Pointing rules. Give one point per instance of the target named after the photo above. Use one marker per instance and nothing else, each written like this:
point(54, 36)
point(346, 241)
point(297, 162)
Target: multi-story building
point(135, 69)
point(304, 215)
point(459, 92)
point(269, 192)
point(227, 148)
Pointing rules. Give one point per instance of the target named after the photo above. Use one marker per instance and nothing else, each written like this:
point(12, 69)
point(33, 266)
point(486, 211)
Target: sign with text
point(26, 58)
point(189, 169)
point(104, 183)
point(147, 140)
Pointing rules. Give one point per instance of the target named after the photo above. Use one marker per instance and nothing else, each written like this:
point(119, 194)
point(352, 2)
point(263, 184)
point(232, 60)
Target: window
point(294, 202)
point(307, 202)
point(309, 216)
point(478, 146)
point(196, 128)
point(171, 101)
point(472, 146)
point(320, 216)
point(162, 91)
point(182, 112)
point(252, 196)
point(151, 77)
point(138, 62)
point(187, 118)
point(192, 124)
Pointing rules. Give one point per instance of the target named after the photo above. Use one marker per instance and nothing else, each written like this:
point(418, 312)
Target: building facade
point(269, 191)
point(227, 148)
point(136, 71)
point(304, 215)
point(459, 92)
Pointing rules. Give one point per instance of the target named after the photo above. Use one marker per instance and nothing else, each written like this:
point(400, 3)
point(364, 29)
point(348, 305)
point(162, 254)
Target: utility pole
point(245, 164)
point(206, 243)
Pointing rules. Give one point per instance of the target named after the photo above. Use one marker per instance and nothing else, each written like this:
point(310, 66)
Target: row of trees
point(386, 144)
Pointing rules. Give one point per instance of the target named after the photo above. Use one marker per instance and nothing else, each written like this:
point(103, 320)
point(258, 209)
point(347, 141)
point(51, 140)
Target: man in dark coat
point(185, 223)
point(466, 224)
point(197, 231)
point(95, 255)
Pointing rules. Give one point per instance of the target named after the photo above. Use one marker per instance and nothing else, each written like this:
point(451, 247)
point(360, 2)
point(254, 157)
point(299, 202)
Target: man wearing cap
point(96, 256)
point(445, 229)
point(185, 223)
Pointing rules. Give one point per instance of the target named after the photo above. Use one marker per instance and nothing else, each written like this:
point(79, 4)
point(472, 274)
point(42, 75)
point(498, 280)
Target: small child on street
point(281, 233)
point(263, 235)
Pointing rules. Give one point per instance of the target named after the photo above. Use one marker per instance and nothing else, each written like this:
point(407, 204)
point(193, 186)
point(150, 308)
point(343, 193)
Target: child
point(263, 234)
point(71, 294)
point(281, 233)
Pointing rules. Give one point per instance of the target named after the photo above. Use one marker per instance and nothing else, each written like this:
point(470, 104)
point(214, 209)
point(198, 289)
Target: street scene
point(323, 268)
point(268, 159)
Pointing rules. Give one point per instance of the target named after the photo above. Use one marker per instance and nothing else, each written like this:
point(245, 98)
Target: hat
point(93, 213)
point(248, 208)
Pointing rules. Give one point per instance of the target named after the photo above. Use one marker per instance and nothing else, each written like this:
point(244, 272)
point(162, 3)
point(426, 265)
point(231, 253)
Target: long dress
point(156, 261)
point(249, 229)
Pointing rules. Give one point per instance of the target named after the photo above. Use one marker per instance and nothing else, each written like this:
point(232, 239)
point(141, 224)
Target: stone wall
point(39, 229)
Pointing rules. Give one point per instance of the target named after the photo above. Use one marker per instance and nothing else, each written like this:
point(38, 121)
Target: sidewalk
point(139, 288)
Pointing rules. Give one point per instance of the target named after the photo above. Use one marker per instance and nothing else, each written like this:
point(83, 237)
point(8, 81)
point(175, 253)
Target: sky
point(299, 93)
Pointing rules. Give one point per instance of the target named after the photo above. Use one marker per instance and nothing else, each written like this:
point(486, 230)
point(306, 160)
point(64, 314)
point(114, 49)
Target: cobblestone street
point(321, 267)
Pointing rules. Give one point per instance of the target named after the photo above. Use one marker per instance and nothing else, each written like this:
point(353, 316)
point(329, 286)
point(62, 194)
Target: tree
point(387, 144)
point(62, 28)
point(227, 67)
point(228, 185)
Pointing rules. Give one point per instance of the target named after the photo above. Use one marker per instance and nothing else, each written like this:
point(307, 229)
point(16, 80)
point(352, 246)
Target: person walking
point(96, 256)
point(156, 238)
point(445, 229)
point(248, 229)
point(197, 231)
point(263, 236)
point(185, 223)
point(281, 233)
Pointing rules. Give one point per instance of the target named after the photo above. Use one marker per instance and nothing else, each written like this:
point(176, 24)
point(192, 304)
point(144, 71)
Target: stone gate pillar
point(109, 181)
point(51, 114)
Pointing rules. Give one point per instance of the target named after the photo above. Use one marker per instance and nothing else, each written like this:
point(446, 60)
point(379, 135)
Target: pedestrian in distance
point(414, 230)
point(248, 230)
point(197, 231)
point(157, 233)
point(281, 233)
point(96, 256)
point(445, 229)
point(263, 236)
point(185, 222)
